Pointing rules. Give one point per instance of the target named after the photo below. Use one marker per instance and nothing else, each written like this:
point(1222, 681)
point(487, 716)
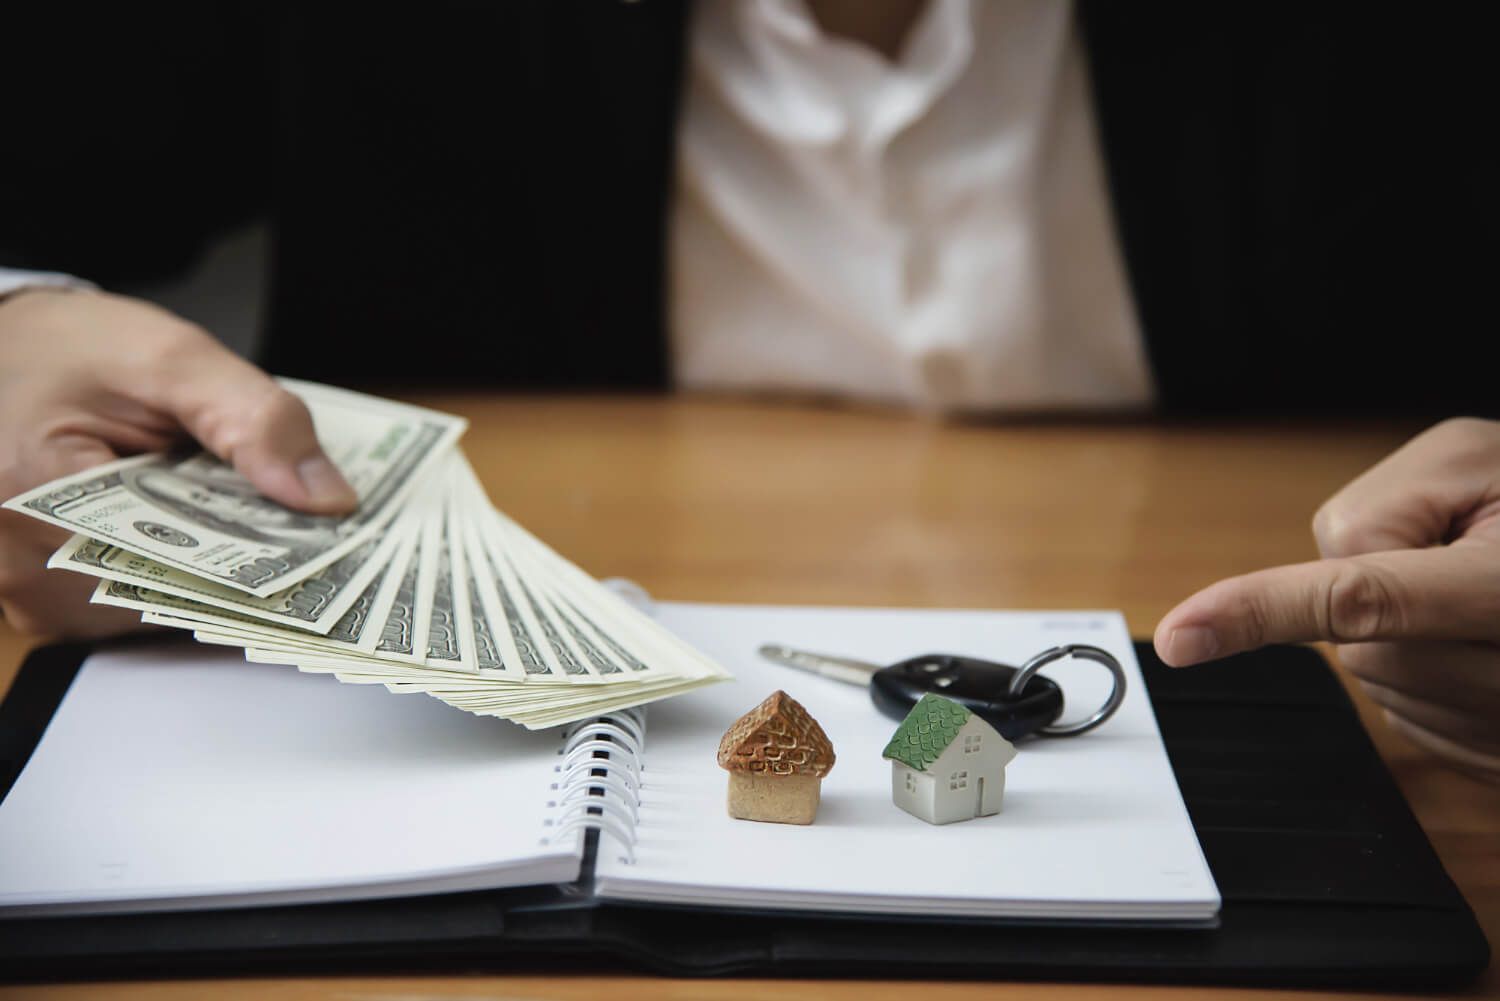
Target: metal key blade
point(845, 669)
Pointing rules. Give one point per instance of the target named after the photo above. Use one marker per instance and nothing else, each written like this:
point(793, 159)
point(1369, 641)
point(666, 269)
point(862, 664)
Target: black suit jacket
point(478, 192)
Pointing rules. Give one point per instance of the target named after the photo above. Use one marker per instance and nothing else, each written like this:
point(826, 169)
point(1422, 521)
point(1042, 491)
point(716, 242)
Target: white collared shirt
point(933, 232)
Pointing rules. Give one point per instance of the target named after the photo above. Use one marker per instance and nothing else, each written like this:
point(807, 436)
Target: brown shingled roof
point(777, 737)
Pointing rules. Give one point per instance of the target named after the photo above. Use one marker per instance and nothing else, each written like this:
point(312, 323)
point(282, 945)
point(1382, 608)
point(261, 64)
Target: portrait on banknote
point(215, 497)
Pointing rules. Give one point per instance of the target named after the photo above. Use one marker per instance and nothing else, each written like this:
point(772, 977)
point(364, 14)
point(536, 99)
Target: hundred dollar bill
point(395, 636)
point(316, 605)
point(429, 550)
point(196, 514)
point(604, 655)
point(489, 631)
point(638, 640)
point(543, 614)
point(444, 636)
point(493, 633)
point(582, 655)
point(461, 582)
point(525, 631)
point(354, 634)
point(486, 654)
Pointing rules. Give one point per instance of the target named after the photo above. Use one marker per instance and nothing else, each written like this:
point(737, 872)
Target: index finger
point(1447, 592)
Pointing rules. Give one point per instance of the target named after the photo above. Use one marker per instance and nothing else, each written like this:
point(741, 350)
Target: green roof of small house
point(926, 732)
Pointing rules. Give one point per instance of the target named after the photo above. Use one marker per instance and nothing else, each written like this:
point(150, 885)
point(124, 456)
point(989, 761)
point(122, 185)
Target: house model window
point(946, 763)
point(776, 755)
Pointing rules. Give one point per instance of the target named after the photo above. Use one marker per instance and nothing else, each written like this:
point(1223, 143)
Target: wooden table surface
point(745, 501)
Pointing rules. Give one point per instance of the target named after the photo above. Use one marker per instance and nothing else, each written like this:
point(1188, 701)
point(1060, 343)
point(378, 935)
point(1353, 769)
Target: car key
point(1015, 701)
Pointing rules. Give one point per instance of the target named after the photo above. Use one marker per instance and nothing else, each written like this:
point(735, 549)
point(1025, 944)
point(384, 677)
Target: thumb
point(247, 419)
point(1445, 592)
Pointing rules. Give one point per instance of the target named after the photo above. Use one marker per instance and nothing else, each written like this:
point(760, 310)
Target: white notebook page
point(179, 776)
point(1092, 827)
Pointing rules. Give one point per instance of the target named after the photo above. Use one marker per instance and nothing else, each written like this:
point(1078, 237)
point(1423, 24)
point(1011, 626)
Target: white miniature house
point(946, 763)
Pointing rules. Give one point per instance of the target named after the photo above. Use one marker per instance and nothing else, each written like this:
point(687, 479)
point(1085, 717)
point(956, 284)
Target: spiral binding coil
point(598, 778)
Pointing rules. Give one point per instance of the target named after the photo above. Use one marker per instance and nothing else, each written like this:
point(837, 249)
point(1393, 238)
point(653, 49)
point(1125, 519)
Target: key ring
point(1082, 652)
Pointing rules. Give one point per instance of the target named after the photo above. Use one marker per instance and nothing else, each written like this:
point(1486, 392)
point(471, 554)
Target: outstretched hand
point(87, 376)
point(1408, 587)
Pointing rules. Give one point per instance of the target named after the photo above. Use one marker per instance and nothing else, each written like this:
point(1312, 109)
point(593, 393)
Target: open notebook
point(181, 777)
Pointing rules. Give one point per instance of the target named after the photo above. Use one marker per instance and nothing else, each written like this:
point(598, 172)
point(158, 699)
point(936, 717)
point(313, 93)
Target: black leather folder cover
point(1326, 877)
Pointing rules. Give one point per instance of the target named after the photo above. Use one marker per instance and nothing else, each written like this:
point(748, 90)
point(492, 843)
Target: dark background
point(476, 193)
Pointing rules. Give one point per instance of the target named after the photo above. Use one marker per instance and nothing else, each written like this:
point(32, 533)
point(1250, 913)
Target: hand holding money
point(86, 376)
point(423, 587)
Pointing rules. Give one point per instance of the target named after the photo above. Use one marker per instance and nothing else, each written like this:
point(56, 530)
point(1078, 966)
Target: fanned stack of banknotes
point(424, 588)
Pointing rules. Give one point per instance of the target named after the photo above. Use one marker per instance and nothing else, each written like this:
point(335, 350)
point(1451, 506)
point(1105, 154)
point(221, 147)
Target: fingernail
point(1192, 645)
point(325, 484)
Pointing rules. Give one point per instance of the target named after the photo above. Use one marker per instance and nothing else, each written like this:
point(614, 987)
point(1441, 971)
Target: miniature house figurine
point(776, 756)
point(946, 763)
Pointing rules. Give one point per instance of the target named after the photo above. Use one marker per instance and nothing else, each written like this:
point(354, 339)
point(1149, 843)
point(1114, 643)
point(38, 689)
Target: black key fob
point(977, 685)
